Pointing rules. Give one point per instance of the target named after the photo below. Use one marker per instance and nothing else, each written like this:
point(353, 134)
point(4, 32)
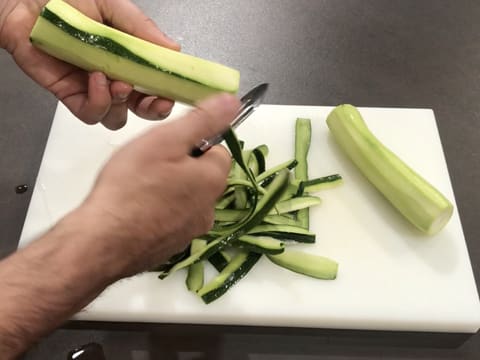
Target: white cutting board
point(390, 276)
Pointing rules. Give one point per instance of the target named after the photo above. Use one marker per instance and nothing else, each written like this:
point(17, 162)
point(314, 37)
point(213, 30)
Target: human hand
point(152, 198)
point(149, 201)
point(91, 97)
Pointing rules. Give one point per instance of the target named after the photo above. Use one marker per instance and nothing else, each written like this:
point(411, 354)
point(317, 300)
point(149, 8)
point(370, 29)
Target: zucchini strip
point(233, 272)
point(235, 183)
point(284, 232)
point(195, 276)
point(225, 201)
point(236, 149)
point(219, 260)
point(303, 135)
point(280, 220)
point(260, 244)
point(260, 153)
point(238, 174)
point(281, 207)
point(316, 266)
point(272, 171)
point(318, 184)
point(295, 204)
point(229, 215)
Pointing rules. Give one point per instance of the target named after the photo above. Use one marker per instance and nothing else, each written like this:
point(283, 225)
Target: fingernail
point(173, 43)
point(122, 97)
point(164, 115)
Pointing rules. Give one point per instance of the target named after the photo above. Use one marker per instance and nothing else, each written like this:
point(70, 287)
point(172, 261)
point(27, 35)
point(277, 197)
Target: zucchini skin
point(218, 260)
point(98, 41)
point(318, 184)
point(416, 199)
point(232, 273)
point(285, 232)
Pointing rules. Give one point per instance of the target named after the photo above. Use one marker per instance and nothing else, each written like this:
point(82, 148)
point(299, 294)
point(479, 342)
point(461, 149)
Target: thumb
point(210, 118)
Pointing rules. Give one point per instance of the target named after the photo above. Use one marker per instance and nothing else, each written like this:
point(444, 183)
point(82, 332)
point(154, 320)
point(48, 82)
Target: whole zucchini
point(422, 204)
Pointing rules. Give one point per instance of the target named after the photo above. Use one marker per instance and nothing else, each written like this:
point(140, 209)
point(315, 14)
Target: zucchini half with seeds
point(65, 33)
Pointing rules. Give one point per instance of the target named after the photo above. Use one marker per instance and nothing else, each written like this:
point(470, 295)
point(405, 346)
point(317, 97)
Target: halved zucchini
point(65, 33)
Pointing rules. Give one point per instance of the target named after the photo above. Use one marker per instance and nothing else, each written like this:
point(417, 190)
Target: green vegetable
point(194, 279)
point(284, 232)
point(260, 244)
point(232, 233)
point(219, 260)
point(257, 215)
point(280, 220)
point(67, 34)
point(233, 272)
point(315, 185)
point(303, 135)
point(294, 204)
point(307, 264)
point(422, 204)
point(281, 207)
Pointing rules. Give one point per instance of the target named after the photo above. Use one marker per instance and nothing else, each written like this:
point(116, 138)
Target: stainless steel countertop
point(403, 53)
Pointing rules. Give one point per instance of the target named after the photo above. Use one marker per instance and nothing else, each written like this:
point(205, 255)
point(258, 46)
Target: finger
point(211, 117)
point(126, 16)
point(150, 107)
point(120, 92)
point(99, 99)
point(68, 83)
point(86, 96)
point(116, 118)
point(220, 158)
point(95, 104)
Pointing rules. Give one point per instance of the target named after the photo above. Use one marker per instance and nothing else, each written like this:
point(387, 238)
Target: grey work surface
point(369, 53)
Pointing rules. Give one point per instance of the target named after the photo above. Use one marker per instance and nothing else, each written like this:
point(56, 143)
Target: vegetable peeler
point(249, 102)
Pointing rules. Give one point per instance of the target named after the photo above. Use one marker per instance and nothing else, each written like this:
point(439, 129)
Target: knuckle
point(207, 220)
point(221, 161)
point(149, 21)
point(220, 180)
point(202, 117)
point(225, 159)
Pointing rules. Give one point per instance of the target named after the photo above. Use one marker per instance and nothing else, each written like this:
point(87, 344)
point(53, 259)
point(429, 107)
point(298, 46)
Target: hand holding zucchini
point(65, 33)
point(422, 204)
